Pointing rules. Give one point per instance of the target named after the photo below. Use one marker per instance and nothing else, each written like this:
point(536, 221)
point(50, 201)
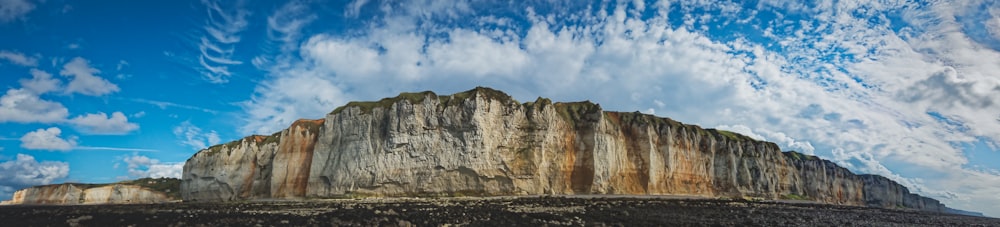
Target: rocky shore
point(497, 211)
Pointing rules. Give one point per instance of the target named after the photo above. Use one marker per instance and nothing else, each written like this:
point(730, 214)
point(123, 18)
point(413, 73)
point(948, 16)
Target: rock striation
point(128, 192)
point(482, 142)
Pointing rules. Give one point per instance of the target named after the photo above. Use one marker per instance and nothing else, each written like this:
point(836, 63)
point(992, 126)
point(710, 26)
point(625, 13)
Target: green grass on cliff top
point(794, 155)
point(419, 97)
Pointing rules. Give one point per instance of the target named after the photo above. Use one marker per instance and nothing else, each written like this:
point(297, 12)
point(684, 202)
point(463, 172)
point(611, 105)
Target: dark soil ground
point(524, 211)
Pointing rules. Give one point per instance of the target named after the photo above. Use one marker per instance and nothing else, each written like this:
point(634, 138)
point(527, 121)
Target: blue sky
point(110, 90)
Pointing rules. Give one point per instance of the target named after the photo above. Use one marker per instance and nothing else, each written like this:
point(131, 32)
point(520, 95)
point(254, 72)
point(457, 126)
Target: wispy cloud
point(286, 22)
point(284, 27)
point(164, 105)
point(11, 10)
point(114, 149)
point(221, 33)
point(192, 136)
point(84, 79)
point(354, 8)
point(18, 57)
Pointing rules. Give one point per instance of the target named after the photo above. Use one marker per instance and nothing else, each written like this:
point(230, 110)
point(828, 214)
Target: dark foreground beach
point(518, 211)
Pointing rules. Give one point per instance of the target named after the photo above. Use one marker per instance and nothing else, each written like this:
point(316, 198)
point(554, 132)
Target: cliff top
point(418, 97)
point(573, 112)
point(800, 156)
point(168, 186)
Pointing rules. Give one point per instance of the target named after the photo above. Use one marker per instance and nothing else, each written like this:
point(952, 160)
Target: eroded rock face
point(256, 167)
point(482, 142)
point(882, 192)
point(71, 194)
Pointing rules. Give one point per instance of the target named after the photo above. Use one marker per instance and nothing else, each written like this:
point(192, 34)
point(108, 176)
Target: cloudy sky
point(110, 90)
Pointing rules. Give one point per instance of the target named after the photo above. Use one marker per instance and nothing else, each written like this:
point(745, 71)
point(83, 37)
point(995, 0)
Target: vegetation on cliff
point(794, 155)
point(419, 97)
point(258, 139)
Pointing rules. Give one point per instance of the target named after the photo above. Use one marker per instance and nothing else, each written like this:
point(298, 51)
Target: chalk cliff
point(482, 142)
point(147, 190)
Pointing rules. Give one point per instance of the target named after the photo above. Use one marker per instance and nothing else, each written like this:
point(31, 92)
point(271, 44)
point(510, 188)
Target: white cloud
point(192, 136)
point(17, 57)
point(83, 79)
point(141, 166)
point(100, 123)
point(23, 106)
point(354, 8)
point(286, 22)
point(164, 105)
point(41, 82)
point(777, 137)
point(11, 10)
point(217, 46)
point(25, 171)
point(47, 139)
point(121, 65)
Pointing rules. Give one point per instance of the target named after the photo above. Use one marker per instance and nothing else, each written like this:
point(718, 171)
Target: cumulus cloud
point(141, 166)
point(24, 106)
point(11, 10)
point(17, 57)
point(84, 80)
point(24, 170)
point(101, 123)
point(47, 139)
point(193, 136)
point(222, 32)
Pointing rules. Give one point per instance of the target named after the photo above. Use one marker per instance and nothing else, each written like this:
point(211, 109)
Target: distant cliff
point(145, 190)
point(482, 143)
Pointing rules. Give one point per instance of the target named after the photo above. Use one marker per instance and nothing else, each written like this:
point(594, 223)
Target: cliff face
point(887, 193)
point(75, 194)
point(482, 142)
point(255, 167)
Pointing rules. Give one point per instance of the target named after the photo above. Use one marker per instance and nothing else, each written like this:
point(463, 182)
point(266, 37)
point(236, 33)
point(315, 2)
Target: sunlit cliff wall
point(482, 142)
